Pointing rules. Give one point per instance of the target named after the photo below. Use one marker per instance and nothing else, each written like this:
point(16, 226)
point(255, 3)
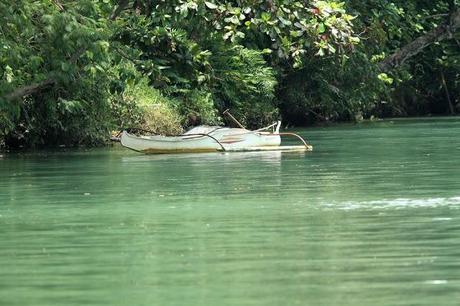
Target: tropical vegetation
point(71, 72)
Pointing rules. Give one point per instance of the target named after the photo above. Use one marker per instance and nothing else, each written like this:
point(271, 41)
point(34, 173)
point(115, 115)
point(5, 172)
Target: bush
point(328, 91)
point(142, 106)
point(161, 119)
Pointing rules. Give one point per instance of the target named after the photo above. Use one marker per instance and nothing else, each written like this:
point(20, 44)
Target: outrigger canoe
point(214, 139)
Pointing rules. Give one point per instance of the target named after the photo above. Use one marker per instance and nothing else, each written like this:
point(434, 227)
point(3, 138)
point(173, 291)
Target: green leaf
point(285, 21)
point(320, 52)
point(355, 40)
point(239, 34)
point(321, 28)
point(265, 16)
point(211, 5)
point(267, 51)
point(227, 35)
point(89, 54)
point(9, 74)
point(65, 67)
point(385, 78)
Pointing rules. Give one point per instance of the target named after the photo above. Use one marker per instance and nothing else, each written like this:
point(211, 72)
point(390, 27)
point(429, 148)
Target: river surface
point(370, 217)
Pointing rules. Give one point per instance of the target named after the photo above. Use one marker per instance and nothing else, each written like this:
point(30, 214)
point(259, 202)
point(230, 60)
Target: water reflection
point(222, 157)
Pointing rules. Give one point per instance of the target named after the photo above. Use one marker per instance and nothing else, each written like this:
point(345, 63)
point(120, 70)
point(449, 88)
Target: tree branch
point(442, 32)
point(120, 7)
point(30, 89)
point(36, 87)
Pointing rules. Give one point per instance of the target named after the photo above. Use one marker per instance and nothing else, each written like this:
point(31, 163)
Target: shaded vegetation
point(73, 71)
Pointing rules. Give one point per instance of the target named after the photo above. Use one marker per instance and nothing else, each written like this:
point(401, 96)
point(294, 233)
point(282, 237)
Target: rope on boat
point(213, 138)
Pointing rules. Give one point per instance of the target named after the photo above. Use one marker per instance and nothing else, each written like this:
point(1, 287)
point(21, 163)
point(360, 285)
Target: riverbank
point(108, 142)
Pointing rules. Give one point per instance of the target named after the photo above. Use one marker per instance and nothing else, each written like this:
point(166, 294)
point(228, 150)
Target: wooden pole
point(226, 112)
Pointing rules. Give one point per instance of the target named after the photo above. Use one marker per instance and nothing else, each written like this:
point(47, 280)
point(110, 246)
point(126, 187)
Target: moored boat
point(213, 139)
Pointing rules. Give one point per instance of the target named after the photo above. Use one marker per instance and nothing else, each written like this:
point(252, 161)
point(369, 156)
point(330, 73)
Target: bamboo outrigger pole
point(226, 112)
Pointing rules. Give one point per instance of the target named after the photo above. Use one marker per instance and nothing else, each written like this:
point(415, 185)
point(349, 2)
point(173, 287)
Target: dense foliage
point(73, 71)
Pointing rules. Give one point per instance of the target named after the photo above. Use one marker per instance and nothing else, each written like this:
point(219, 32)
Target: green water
point(371, 217)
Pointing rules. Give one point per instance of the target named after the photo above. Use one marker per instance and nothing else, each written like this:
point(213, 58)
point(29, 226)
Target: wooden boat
point(214, 139)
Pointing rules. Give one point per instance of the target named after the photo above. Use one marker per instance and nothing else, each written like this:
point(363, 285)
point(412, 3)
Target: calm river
point(371, 217)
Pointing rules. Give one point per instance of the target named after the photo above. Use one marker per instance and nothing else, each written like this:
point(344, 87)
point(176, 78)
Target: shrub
point(142, 106)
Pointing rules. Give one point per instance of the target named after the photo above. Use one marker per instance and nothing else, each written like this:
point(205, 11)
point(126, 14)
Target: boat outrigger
point(215, 139)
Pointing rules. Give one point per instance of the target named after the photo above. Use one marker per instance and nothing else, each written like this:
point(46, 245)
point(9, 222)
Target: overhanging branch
point(120, 7)
point(30, 89)
point(36, 87)
point(442, 32)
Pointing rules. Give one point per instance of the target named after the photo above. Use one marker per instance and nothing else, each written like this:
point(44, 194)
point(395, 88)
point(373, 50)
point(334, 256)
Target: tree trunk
point(148, 8)
point(442, 32)
point(444, 85)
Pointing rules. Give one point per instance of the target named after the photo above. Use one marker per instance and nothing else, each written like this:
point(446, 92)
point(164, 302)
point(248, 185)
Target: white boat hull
point(208, 139)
